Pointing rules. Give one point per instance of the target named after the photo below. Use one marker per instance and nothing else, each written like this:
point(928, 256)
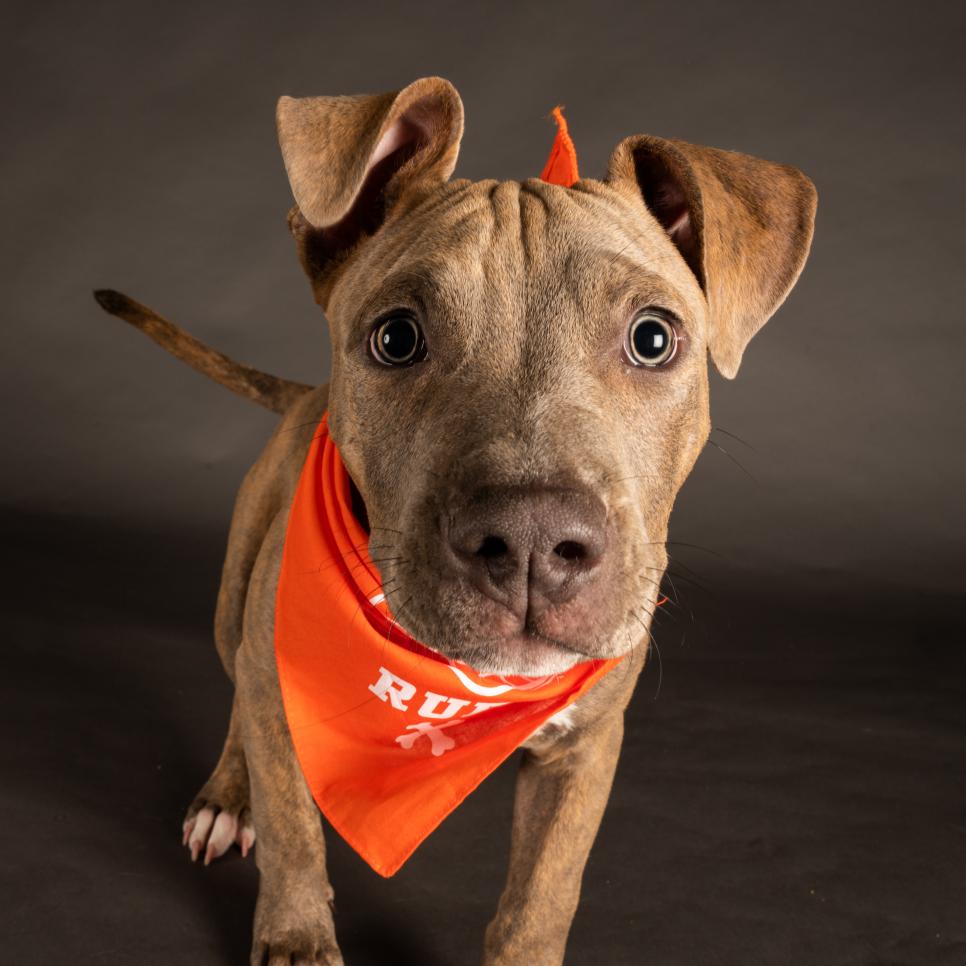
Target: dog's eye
point(397, 340)
point(651, 340)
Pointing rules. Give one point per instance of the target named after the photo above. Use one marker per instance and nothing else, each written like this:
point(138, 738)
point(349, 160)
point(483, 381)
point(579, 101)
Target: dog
point(547, 398)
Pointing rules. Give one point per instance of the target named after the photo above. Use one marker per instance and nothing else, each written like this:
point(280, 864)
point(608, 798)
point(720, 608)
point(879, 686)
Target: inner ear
point(668, 198)
point(396, 147)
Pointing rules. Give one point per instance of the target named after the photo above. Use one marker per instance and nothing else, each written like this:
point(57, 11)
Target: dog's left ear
point(350, 161)
point(743, 226)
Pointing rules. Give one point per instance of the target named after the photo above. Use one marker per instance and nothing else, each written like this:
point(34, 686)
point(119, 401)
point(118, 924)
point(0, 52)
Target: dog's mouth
point(526, 652)
point(494, 642)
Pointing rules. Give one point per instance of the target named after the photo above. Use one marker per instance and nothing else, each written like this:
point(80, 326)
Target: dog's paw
point(219, 815)
point(295, 929)
point(296, 948)
point(210, 830)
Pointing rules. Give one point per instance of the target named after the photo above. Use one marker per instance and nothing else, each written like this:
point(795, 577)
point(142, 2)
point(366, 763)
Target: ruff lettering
point(399, 694)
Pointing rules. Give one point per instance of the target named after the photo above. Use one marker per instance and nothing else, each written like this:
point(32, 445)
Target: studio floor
point(792, 788)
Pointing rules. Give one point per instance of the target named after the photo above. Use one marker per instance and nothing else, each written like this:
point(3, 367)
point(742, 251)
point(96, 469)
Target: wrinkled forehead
point(522, 247)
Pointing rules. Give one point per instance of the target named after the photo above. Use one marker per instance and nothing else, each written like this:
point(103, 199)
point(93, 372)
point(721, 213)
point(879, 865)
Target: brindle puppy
point(516, 439)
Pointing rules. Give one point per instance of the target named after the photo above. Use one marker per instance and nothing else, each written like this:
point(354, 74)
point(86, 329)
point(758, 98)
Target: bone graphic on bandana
point(440, 743)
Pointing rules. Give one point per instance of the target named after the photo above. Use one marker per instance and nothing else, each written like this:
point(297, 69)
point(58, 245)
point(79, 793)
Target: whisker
point(735, 437)
point(737, 462)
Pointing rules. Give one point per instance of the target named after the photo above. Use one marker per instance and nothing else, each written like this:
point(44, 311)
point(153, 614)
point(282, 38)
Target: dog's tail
point(267, 390)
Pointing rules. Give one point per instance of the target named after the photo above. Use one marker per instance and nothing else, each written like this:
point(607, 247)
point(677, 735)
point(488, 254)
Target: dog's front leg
point(560, 797)
point(293, 916)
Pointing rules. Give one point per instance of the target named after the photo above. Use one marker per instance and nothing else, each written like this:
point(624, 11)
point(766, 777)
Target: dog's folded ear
point(743, 226)
point(350, 159)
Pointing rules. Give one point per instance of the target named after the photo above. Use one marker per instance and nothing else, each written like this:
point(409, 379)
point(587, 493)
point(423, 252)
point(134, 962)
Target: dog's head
point(519, 380)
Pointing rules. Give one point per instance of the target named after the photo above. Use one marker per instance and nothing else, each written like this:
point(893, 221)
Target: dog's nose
point(528, 548)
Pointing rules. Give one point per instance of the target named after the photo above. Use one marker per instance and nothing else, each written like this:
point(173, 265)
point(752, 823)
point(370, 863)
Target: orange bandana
point(390, 735)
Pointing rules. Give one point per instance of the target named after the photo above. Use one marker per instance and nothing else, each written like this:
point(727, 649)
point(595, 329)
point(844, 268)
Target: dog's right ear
point(350, 159)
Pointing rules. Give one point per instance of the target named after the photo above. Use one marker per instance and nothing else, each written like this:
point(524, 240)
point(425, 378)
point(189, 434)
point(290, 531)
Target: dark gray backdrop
point(139, 153)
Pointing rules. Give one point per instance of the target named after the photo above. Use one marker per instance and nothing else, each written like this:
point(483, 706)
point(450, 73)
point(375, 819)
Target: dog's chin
point(521, 652)
point(530, 655)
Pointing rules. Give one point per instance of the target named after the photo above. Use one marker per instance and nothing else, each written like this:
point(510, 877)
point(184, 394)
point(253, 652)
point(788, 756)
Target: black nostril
point(491, 548)
point(570, 550)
